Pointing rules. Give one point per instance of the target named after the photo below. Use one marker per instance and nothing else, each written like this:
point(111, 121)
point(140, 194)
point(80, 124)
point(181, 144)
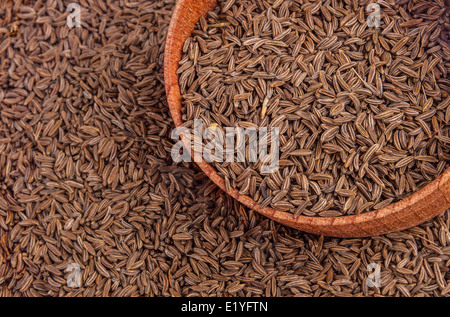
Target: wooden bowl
point(423, 205)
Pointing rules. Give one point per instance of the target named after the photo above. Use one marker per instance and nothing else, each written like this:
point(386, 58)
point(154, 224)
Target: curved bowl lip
point(400, 215)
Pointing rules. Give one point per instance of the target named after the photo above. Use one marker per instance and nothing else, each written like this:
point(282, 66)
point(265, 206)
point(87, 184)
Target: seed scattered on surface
point(86, 178)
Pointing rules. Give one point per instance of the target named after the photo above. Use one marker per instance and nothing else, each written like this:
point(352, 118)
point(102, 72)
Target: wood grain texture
point(414, 210)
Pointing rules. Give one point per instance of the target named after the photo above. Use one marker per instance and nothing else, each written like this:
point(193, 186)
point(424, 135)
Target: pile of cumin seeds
point(363, 112)
point(164, 229)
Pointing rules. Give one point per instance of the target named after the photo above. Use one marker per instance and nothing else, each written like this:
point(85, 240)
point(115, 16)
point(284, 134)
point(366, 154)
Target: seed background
point(86, 177)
